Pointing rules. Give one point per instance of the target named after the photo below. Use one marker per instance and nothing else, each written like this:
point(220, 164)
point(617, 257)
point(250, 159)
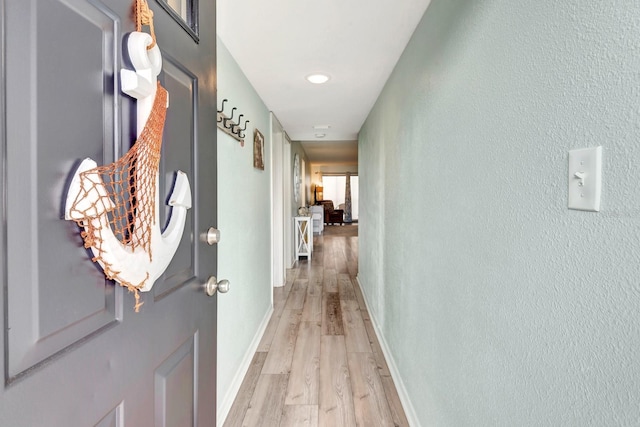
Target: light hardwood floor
point(319, 362)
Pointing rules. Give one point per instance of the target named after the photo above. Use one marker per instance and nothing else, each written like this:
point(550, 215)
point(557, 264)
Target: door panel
point(74, 351)
point(175, 387)
point(38, 243)
point(112, 419)
point(178, 153)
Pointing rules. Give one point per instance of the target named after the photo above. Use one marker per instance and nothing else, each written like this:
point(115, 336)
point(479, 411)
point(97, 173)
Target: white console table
point(303, 231)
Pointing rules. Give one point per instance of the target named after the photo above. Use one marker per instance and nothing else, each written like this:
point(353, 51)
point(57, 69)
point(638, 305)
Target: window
point(334, 189)
point(185, 13)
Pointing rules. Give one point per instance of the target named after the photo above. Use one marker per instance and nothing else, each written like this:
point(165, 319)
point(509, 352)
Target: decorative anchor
point(133, 265)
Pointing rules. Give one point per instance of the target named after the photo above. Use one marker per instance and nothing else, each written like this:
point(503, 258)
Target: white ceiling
point(278, 43)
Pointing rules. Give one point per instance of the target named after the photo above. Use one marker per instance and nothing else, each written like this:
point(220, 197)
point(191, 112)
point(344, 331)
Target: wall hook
point(233, 111)
point(241, 131)
point(221, 110)
point(236, 125)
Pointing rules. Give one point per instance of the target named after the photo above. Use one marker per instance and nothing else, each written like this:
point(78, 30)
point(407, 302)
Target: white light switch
point(585, 178)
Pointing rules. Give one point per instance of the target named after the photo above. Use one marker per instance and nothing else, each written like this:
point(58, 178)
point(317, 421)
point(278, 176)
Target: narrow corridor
point(319, 362)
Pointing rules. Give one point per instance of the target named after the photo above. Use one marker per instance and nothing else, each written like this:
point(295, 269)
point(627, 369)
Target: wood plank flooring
point(319, 363)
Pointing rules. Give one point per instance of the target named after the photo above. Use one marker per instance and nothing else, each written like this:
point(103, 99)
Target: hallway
point(319, 362)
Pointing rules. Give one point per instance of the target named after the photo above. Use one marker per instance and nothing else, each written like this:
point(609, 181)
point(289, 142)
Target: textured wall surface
point(244, 220)
point(500, 306)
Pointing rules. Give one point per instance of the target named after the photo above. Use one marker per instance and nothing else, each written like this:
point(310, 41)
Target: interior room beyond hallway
point(334, 189)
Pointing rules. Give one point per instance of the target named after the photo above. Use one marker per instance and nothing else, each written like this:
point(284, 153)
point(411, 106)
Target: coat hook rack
point(228, 125)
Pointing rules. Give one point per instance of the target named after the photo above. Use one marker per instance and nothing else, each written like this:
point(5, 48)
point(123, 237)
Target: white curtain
point(347, 198)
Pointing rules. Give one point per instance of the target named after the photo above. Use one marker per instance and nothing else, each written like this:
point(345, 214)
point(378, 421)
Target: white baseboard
point(230, 395)
point(393, 369)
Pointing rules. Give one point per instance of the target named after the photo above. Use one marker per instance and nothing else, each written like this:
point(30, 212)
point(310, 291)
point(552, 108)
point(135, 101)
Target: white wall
point(244, 219)
point(497, 304)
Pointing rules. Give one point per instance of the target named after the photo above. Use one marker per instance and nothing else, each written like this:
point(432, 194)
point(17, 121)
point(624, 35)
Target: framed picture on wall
point(258, 150)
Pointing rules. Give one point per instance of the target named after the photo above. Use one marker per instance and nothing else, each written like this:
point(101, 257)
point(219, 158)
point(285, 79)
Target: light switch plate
point(585, 179)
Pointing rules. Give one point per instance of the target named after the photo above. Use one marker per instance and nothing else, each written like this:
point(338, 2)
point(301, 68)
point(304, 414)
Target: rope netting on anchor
point(126, 190)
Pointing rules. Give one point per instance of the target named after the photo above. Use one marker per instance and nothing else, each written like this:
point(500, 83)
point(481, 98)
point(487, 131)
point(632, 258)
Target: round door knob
point(212, 236)
point(223, 286)
point(212, 286)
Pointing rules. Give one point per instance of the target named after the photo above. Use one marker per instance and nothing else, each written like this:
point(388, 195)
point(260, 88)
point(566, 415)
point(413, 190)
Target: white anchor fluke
point(132, 266)
point(88, 201)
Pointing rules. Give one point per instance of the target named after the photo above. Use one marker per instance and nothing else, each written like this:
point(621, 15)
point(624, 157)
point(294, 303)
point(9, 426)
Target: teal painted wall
point(499, 306)
point(244, 219)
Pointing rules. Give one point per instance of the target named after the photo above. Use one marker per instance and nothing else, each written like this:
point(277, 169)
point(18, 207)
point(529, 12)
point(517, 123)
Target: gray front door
point(74, 352)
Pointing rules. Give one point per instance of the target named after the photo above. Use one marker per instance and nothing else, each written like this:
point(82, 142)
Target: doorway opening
point(334, 188)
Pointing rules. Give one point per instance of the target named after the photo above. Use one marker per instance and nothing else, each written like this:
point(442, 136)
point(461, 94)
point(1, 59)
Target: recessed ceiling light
point(318, 78)
point(320, 135)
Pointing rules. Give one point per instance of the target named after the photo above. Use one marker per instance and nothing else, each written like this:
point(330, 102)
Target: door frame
point(288, 196)
point(278, 273)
